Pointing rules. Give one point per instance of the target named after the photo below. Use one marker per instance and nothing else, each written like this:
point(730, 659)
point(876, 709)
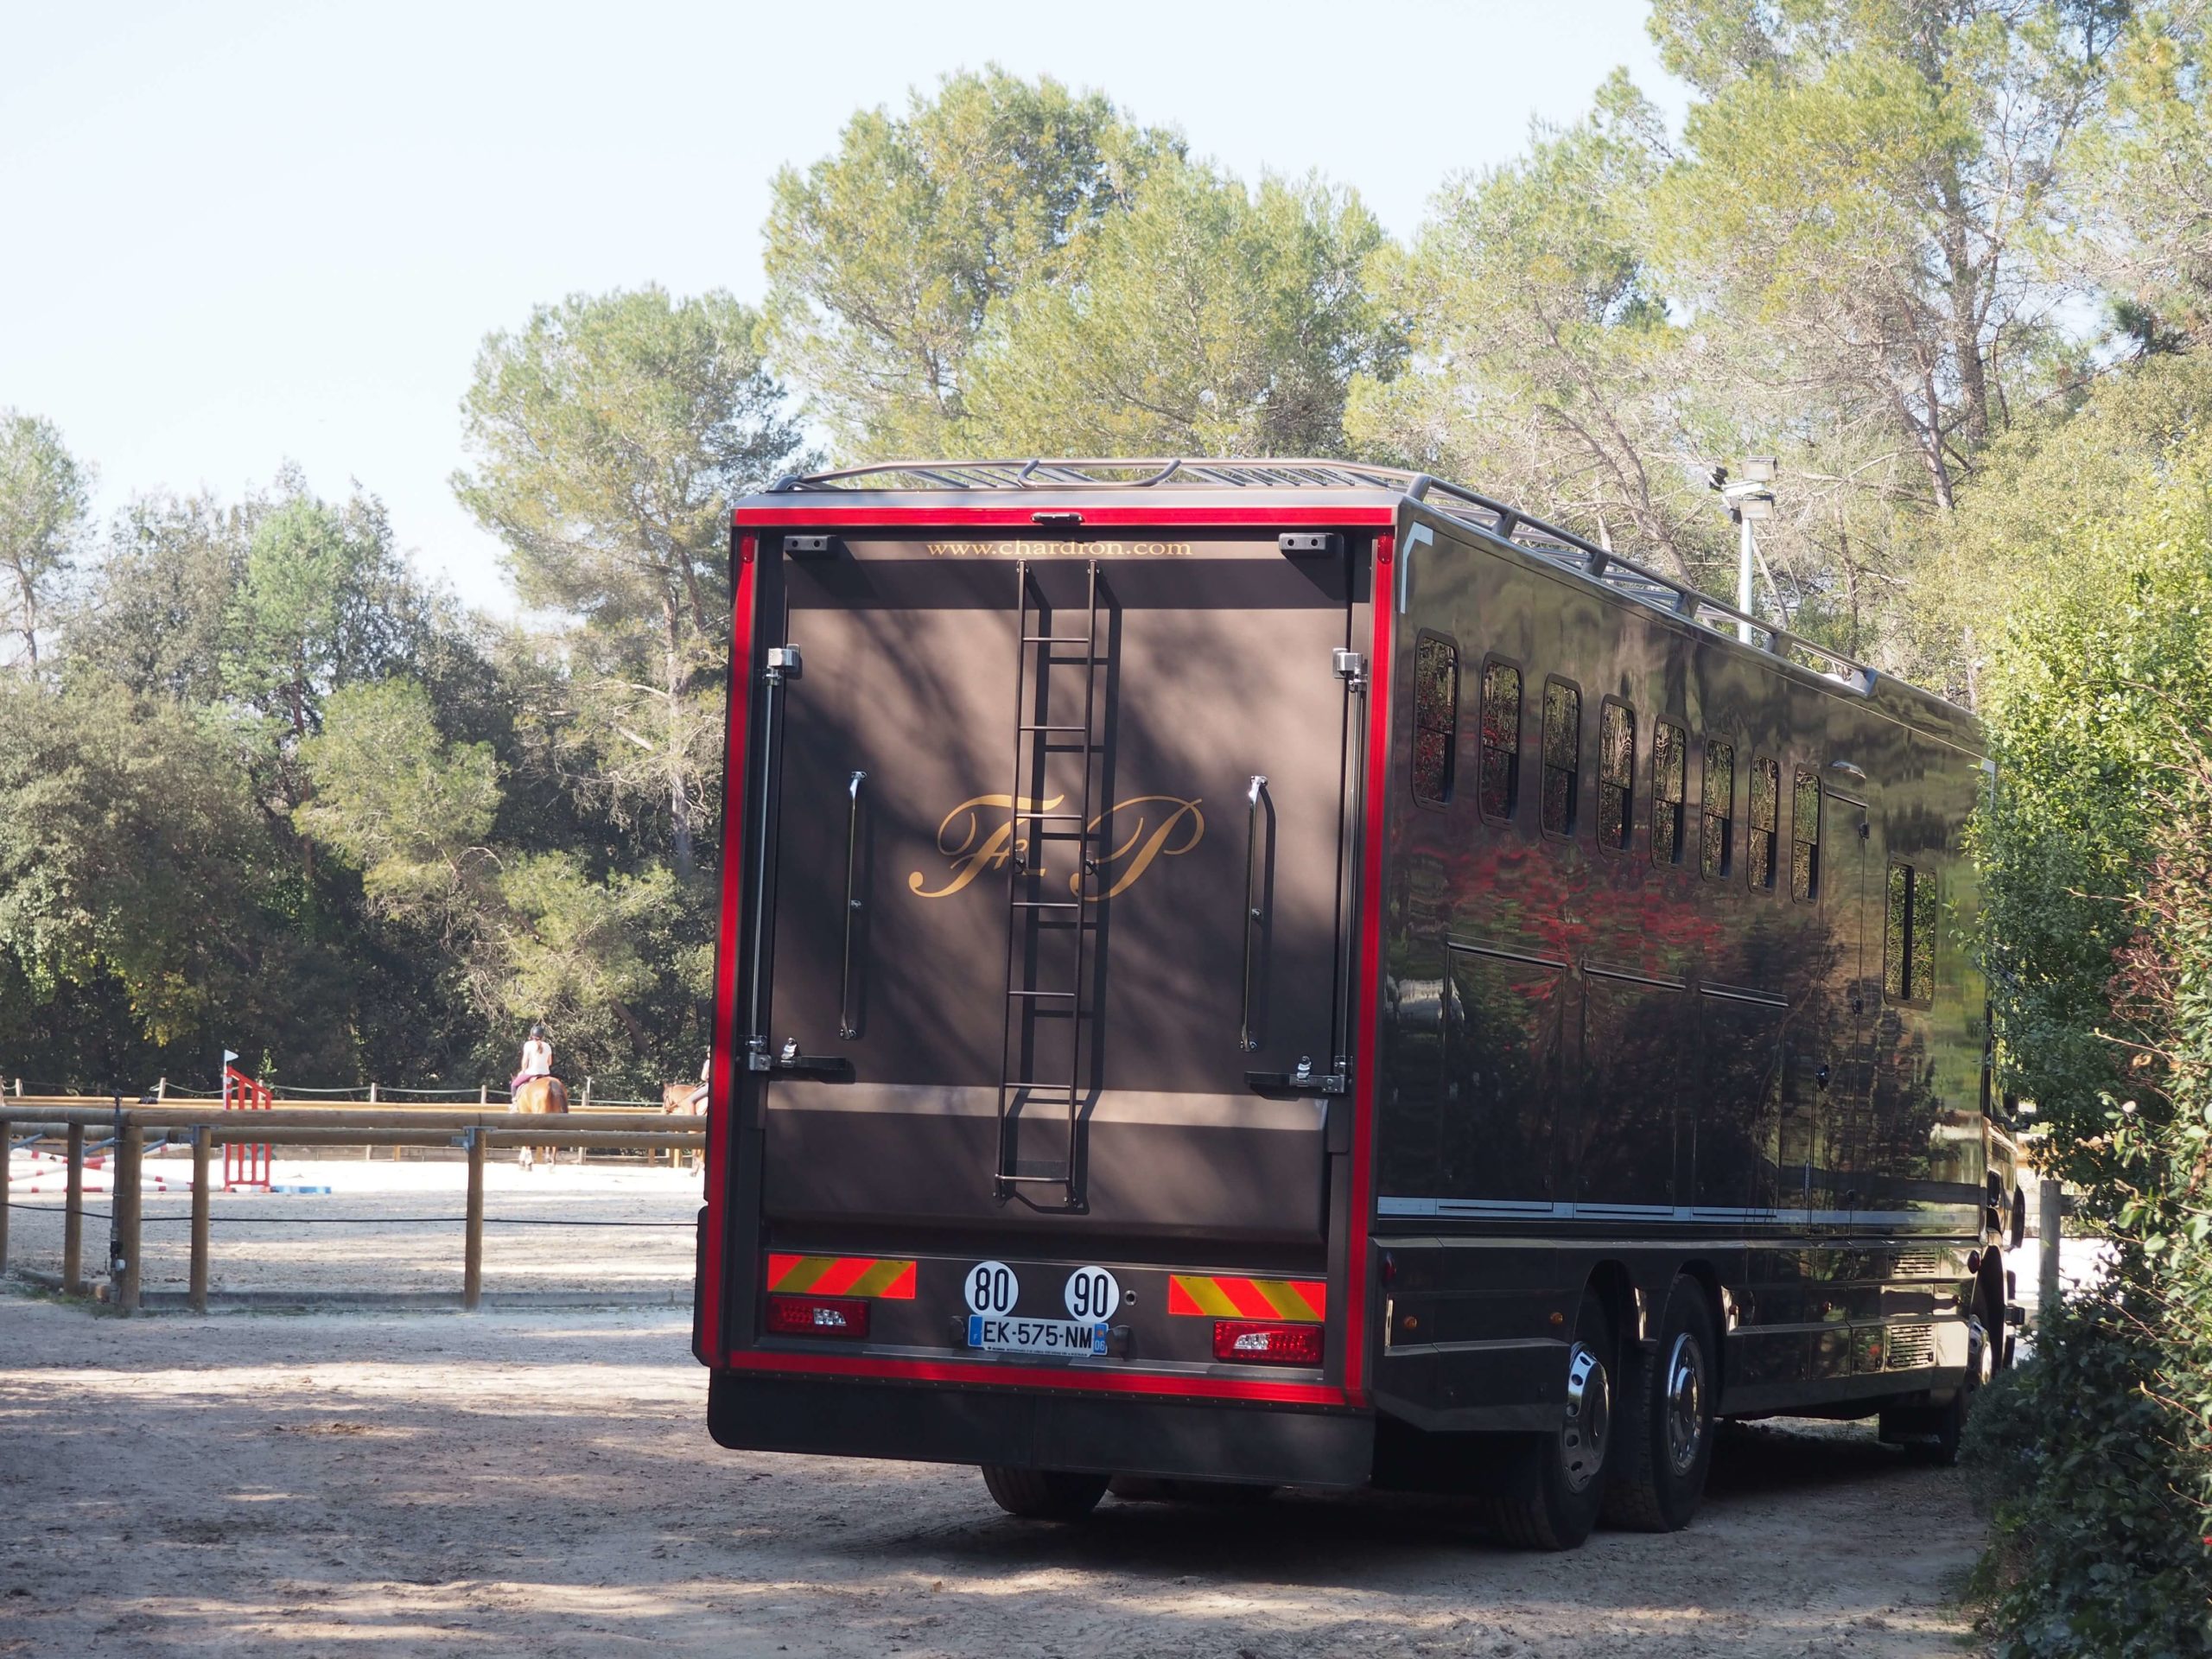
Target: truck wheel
point(1043, 1494)
point(1930, 1434)
point(1666, 1432)
point(1556, 1480)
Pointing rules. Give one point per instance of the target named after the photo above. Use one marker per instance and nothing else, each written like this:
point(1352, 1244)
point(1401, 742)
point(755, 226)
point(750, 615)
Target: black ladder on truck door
point(1025, 998)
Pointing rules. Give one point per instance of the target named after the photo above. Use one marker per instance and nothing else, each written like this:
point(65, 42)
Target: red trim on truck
point(1027, 1376)
point(721, 1105)
point(812, 510)
point(1367, 987)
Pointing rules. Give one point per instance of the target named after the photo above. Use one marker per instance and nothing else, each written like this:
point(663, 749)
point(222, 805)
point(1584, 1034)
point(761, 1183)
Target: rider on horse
point(537, 1060)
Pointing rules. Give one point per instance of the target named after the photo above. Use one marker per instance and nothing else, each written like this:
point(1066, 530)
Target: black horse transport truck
point(1290, 973)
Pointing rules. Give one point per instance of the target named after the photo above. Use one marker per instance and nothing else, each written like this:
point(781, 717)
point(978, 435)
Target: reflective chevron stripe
point(842, 1276)
point(1219, 1296)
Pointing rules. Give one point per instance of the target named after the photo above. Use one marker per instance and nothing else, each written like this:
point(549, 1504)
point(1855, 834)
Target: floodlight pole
point(1744, 555)
point(1746, 500)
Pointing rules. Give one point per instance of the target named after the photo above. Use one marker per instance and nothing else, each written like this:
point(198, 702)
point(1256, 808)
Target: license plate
point(994, 1335)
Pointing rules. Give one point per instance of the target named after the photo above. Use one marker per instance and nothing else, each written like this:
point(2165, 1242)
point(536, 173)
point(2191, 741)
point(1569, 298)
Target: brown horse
point(539, 1095)
point(683, 1100)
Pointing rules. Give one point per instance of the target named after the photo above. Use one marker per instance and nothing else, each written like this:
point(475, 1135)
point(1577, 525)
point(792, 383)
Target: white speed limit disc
point(1092, 1295)
point(992, 1288)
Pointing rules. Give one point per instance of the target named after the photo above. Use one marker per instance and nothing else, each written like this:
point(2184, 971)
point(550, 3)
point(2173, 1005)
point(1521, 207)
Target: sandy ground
point(383, 1484)
point(304, 1241)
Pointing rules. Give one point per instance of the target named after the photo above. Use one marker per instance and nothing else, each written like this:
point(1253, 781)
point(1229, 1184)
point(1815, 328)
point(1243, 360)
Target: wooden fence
point(295, 1124)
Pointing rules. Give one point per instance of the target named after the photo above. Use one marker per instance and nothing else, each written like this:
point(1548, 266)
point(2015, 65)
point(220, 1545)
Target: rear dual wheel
point(1666, 1420)
point(1044, 1494)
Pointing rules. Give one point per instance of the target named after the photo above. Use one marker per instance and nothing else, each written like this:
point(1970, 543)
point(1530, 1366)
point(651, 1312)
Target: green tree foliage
point(1545, 369)
point(411, 811)
point(884, 259)
point(130, 848)
point(602, 960)
point(2147, 180)
point(611, 435)
point(1208, 319)
point(2049, 481)
point(155, 616)
point(43, 494)
point(2097, 857)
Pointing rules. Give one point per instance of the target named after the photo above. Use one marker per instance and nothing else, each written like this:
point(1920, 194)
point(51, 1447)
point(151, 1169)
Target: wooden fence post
point(2050, 1206)
point(199, 1294)
point(72, 1217)
point(471, 1269)
point(483, 1094)
point(127, 1203)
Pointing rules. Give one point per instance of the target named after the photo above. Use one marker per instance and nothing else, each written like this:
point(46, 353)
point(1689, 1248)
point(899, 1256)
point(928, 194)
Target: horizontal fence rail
point(294, 1123)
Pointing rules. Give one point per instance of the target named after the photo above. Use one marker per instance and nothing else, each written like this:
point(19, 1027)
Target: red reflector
point(817, 1316)
point(1248, 1343)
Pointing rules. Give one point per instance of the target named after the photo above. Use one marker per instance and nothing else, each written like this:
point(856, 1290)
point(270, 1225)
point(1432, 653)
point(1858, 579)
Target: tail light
point(1252, 1342)
point(817, 1316)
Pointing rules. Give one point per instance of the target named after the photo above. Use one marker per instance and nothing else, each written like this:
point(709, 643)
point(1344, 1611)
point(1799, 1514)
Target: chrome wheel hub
point(1589, 1416)
point(1685, 1407)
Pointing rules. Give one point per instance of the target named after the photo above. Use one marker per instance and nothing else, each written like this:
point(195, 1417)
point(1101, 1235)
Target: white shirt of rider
point(538, 1058)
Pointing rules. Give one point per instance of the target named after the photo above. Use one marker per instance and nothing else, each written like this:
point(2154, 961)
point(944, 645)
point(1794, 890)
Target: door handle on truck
point(846, 1028)
point(1245, 1041)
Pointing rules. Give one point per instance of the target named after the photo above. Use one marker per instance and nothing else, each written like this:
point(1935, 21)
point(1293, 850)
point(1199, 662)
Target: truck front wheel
point(1555, 1481)
point(1043, 1494)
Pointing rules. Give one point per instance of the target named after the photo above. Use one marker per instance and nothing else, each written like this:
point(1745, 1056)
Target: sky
point(238, 235)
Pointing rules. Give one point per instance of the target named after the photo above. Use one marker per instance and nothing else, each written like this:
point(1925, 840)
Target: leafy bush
point(2097, 1457)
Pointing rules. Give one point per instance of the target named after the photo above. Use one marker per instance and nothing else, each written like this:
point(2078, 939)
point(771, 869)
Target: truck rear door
point(1056, 867)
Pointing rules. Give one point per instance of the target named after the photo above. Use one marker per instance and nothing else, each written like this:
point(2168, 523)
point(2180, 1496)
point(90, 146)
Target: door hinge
point(1304, 1081)
point(1350, 667)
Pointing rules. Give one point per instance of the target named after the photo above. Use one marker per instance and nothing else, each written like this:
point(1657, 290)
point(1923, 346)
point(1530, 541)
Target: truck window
point(1805, 837)
point(1562, 756)
point(1616, 776)
point(1766, 801)
point(1670, 765)
point(1500, 720)
point(1718, 856)
point(1436, 717)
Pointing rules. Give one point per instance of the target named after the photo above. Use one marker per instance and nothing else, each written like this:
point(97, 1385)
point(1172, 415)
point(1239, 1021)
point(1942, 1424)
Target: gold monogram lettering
point(969, 859)
point(1136, 855)
point(1166, 826)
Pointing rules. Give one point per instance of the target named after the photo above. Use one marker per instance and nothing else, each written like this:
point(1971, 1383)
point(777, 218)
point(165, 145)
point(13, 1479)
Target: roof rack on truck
point(1481, 513)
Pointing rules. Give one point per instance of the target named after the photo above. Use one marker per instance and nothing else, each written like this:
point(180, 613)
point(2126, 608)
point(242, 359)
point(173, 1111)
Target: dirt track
point(385, 1485)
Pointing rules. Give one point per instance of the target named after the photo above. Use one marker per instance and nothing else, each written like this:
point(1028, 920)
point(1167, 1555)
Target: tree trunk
point(1965, 284)
point(679, 804)
point(30, 618)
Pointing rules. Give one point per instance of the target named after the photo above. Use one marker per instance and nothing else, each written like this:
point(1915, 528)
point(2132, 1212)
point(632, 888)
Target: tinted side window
point(1717, 858)
point(1501, 780)
point(1562, 757)
point(1909, 936)
point(1920, 968)
point(1436, 717)
point(1616, 775)
point(1805, 836)
point(1671, 765)
point(1766, 805)
point(1897, 927)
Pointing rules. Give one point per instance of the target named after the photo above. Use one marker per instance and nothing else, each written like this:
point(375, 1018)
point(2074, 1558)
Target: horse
point(540, 1095)
point(683, 1100)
